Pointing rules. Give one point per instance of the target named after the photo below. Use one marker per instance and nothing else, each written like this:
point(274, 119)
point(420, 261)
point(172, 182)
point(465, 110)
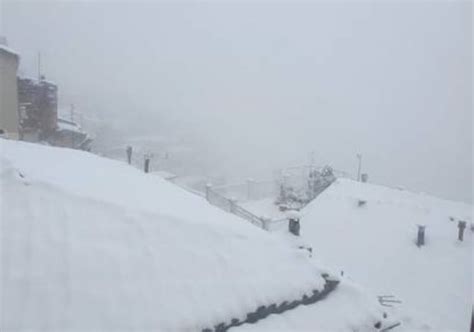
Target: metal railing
point(231, 206)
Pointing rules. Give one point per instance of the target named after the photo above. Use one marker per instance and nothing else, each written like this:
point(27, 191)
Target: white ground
point(374, 246)
point(93, 244)
point(265, 208)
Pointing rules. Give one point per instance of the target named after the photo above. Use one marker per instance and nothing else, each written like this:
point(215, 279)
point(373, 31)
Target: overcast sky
point(262, 84)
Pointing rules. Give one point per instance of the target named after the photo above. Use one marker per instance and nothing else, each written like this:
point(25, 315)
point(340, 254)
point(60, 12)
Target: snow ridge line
point(264, 311)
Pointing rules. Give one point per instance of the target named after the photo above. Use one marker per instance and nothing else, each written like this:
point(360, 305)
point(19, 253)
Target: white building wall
point(9, 120)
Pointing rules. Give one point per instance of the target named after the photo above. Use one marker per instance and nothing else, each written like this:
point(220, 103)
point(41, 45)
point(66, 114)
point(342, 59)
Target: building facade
point(9, 117)
point(38, 105)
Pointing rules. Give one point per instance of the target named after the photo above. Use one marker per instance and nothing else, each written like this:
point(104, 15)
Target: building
point(70, 134)
point(39, 121)
point(9, 118)
point(38, 105)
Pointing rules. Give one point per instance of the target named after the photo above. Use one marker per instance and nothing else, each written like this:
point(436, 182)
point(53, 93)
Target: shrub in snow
point(318, 181)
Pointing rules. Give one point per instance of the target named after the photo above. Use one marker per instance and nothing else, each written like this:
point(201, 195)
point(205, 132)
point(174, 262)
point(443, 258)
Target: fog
point(254, 86)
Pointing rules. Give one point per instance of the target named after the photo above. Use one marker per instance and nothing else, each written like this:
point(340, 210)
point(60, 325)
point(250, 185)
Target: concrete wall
point(9, 120)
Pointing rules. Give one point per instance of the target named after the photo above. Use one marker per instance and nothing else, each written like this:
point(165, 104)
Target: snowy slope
point(374, 245)
point(93, 244)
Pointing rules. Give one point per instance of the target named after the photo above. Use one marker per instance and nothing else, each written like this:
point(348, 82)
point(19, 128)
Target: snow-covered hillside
point(89, 243)
point(374, 244)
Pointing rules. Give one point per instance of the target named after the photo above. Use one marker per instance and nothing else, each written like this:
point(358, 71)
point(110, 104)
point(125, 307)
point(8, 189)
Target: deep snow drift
point(89, 243)
point(374, 244)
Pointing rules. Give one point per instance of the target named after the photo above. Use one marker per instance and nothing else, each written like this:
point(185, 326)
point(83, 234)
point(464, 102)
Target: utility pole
point(73, 143)
point(359, 156)
point(72, 113)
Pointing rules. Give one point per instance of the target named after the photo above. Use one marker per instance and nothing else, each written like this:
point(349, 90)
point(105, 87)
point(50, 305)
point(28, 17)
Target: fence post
point(129, 154)
point(208, 191)
point(147, 164)
point(420, 239)
point(462, 227)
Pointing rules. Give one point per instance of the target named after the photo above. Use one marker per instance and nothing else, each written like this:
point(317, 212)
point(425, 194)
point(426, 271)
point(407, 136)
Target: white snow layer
point(347, 309)
point(89, 243)
point(374, 244)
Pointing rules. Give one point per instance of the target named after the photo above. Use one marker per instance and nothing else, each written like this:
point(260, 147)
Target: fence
point(231, 206)
point(249, 190)
point(296, 177)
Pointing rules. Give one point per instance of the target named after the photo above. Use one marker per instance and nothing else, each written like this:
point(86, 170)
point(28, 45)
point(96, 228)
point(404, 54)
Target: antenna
point(72, 112)
point(39, 66)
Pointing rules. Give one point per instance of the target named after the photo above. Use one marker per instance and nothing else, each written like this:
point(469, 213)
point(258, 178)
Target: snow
point(68, 125)
point(293, 214)
point(265, 208)
point(348, 301)
point(8, 50)
point(374, 244)
point(164, 175)
point(89, 243)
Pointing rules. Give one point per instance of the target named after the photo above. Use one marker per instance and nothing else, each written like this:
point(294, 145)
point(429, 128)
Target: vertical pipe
point(420, 239)
point(208, 191)
point(147, 164)
point(129, 154)
point(461, 227)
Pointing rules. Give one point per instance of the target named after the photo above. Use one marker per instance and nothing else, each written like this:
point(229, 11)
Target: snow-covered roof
point(8, 50)
point(35, 80)
point(93, 244)
point(374, 244)
point(68, 125)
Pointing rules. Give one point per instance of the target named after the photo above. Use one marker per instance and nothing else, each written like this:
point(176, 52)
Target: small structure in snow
point(461, 227)
point(69, 134)
point(420, 239)
point(361, 202)
point(294, 222)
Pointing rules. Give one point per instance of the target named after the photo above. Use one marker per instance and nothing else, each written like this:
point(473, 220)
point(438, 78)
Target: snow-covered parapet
point(293, 214)
point(9, 50)
point(69, 125)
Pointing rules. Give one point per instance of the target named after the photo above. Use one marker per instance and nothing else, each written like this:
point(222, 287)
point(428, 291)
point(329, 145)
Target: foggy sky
point(259, 85)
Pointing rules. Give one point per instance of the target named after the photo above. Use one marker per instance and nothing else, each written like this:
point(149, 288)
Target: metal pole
point(147, 163)
point(39, 66)
point(129, 154)
point(73, 143)
point(359, 156)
